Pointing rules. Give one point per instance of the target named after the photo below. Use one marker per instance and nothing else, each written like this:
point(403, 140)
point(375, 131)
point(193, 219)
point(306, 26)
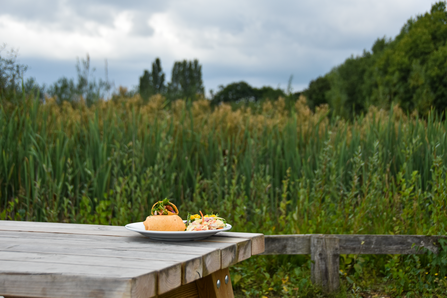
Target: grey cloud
point(72, 15)
point(140, 24)
point(260, 41)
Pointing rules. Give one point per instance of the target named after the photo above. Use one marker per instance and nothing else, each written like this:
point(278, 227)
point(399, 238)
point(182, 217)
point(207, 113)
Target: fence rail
point(325, 250)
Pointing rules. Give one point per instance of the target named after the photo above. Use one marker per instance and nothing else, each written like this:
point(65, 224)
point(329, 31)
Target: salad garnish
point(164, 208)
point(206, 222)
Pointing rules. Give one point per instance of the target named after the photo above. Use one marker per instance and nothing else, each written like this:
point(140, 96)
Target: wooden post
point(325, 256)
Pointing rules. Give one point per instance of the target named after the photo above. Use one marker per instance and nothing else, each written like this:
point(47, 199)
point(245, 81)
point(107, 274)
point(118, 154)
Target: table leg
point(206, 287)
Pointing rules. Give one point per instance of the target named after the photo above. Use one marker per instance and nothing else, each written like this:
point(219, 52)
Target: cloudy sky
point(258, 41)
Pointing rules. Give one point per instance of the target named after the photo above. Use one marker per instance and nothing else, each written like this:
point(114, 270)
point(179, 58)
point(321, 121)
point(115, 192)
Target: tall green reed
point(274, 171)
point(119, 157)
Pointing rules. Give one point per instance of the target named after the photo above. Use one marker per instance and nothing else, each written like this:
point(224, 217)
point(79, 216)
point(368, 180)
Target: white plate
point(173, 236)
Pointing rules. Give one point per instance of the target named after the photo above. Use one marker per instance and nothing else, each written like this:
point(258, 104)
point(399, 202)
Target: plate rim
point(192, 233)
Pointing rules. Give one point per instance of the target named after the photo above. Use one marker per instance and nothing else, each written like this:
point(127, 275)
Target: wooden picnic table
point(76, 260)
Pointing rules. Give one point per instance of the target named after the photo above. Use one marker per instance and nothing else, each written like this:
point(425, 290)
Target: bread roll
point(164, 223)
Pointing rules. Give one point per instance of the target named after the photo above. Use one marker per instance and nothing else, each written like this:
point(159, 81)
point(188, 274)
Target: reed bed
point(274, 170)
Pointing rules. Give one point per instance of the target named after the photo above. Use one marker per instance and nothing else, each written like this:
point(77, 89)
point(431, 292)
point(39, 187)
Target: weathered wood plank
point(228, 252)
point(134, 242)
point(325, 256)
point(257, 240)
point(169, 274)
point(74, 286)
point(214, 255)
point(192, 267)
point(243, 246)
point(50, 225)
point(386, 244)
point(143, 286)
point(52, 249)
point(97, 260)
point(353, 244)
point(64, 228)
point(31, 267)
point(287, 245)
point(212, 261)
point(85, 249)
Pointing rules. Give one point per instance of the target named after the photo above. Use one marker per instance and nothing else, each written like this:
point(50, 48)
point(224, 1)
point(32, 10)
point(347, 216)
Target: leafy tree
point(86, 87)
point(11, 73)
point(412, 69)
point(12, 82)
point(316, 92)
point(267, 92)
point(243, 92)
point(234, 92)
point(152, 83)
point(186, 80)
point(347, 95)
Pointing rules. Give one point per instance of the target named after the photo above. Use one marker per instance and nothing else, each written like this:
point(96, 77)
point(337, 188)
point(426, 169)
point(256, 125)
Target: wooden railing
point(325, 250)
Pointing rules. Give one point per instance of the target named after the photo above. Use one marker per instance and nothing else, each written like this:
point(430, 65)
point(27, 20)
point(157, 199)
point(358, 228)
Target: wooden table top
point(73, 260)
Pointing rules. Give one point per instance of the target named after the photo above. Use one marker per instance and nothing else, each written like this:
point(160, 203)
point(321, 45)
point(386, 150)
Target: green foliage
point(316, 92)
point(87, 88)
point(13, 86)
point(410, 70)
point(234, 92)
point(267, 92)
point(273, 172)
point(243, 93)
point(11, 73)
point(186, 80)
point(152, 83)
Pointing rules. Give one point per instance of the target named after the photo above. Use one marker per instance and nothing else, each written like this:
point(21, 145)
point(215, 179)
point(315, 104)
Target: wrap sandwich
point(164, 217)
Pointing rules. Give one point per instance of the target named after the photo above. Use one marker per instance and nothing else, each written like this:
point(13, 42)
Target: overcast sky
point(258, 41)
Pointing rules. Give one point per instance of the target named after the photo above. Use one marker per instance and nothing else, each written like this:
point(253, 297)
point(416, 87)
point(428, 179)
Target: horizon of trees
point(409, 70)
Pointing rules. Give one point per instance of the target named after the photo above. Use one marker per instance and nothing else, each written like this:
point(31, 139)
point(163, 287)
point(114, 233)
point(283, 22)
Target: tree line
point(409, 70)
point(186, 83)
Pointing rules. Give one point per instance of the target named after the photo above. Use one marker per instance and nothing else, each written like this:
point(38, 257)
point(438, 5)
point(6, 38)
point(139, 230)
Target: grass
point(273, 169)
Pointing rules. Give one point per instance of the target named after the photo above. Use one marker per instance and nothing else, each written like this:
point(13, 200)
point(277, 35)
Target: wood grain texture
point(194, 265)
point(287, 245)
point(101, 261)
point(64, 228)
point(353, 244)
point(211, 262)
point(143, 286)
point(243, 246)
point(325, 256)
point(80, 249)
point(227, 252)
point(257, 240)
point(197, 248)
point(168, 278)
point(70, 286)
point(13, 267)
point(60, 258)
point(192, 270)
point(386, 244)
point(185, 291)
point(191, 265)
point(207, 287)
